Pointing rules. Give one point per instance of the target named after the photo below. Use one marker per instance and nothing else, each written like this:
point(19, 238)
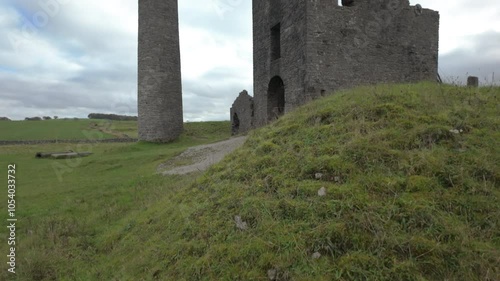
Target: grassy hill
point(412, 181)
point(409, 175)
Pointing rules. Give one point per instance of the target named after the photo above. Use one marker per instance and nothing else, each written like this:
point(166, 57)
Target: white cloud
point(462, 18)
point(203, 52)
point(83, 58)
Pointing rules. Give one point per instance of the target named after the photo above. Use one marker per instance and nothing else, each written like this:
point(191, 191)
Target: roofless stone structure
point(303, 49)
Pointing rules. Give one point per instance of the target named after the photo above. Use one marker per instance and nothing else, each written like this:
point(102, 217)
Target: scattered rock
point(318, 176)
point(336, 179)
point(316, 255)
point(456, 131)
point(322, 192)
point(240, 223)
point(272, 274)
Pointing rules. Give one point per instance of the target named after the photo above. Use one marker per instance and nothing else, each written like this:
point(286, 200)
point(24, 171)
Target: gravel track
point(200, 157)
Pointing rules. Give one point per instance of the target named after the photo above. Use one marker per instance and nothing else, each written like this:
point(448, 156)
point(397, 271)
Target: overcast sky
point(78, 57)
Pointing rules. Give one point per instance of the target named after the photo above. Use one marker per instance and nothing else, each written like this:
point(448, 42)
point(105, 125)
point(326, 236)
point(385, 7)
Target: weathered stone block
point(473, 81)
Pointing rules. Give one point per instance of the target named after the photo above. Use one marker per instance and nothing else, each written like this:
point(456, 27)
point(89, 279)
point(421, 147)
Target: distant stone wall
point(242, 114)
point(36, 142)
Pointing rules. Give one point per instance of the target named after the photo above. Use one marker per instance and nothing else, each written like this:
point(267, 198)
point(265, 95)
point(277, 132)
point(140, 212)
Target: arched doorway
point(275, 98)
point(235, 126)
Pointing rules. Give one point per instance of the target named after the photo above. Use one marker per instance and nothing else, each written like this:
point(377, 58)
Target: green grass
point(57, 129)
point(126, 128)
point(407, 198)
point(69, 210)
point(83, 129)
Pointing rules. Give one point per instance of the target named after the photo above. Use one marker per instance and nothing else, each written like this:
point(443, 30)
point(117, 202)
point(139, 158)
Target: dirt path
point(199, 158)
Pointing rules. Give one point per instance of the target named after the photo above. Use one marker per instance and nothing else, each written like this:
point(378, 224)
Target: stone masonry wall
point(291, 66)
point(326, 47)
point(373, 42)
point(159, 74)
point(242, 113)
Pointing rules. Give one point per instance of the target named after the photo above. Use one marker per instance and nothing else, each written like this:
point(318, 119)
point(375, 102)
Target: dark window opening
point(347, 3)
point(235, 126)
point(275, 98)
point(276, 42)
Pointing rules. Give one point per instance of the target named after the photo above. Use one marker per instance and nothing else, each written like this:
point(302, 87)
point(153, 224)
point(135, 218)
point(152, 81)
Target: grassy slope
point(54, 129)
point(406, 198)
point(67, 224)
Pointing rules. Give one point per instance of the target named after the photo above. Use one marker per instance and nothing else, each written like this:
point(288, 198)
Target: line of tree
point(112, 117)
point(36, 118)
point(33, 118)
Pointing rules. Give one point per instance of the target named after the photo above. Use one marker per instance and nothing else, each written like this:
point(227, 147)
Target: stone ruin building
point(242, 121)
point(304, 49)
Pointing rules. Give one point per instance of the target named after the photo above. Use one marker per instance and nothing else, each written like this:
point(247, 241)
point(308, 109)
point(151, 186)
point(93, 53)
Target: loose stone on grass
point(272, 274)
point(322, 192)
point(240, 223)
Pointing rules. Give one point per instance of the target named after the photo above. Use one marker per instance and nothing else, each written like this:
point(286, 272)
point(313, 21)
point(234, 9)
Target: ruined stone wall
point(291, 65)
point(327, 47)
point(242, 114)
point(159, 73)
point(368, 43)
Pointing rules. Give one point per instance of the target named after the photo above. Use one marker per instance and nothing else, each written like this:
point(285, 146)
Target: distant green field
point(54, 129)
point(82, 129)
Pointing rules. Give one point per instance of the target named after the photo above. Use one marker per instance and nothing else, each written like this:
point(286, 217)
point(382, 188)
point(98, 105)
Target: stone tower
point(159, 72)
point(304, 49)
